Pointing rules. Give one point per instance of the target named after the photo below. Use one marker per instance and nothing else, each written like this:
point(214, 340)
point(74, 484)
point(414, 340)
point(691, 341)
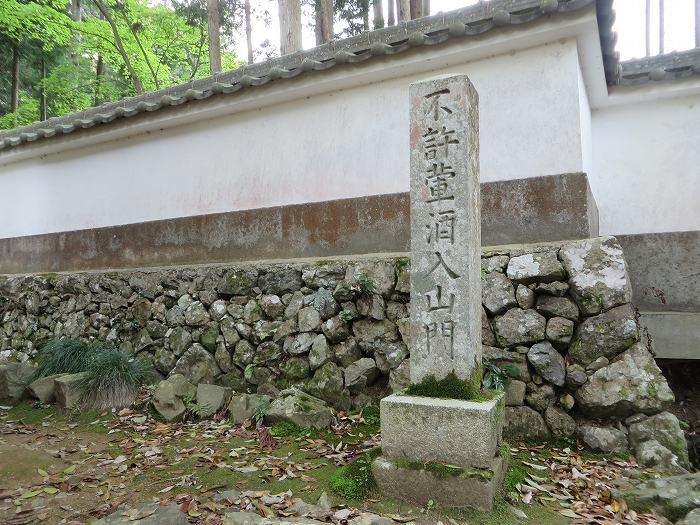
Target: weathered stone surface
point(631, 384)
point(672, 497)
point(559, 422)
point(14, 379)
point(309, 319)
point(280, 281)
point(164, 360)
point(692, 518)
point(556, 288)
point(598, 274)
point(347, 352)
point(665, 429)
point(320, 352)
point(323, 275)
point(267, 352)
point(575, 376)
point(519, 327)
point(535, 267)
point(487, 335)
point(168, 398)
point(197, 365)
point(245, 406)
point(525, 297)
point(238, 282)
point(369, 331)
point(361, 374)
point(551, 306)
point(515, 393)
point(325, 304)
point(371, 305)
point(654, 455)
point(336, 330)
point(299, 344)
point(418, 428)
point(179, 340)
point(223, 358)
point(153, 512)
point(380, 274)
point(196, 314)
point(540, 397)
point(596, 365)
point(445, 260)
point(418, 484)
point(300, 408)
point(559, 332)
point(524, 424)
point(43, 389)
point(496, 263)
point(605, 335)
point(389, 355)
point(497, 293)
point(548, 362)
point(400, 377)
point(327, 384)
point(68, 390)
point(211, 399)
point(603, 439)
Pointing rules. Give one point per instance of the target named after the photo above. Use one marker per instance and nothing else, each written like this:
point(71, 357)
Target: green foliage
point(346, 315)
point(451, 387)
point(65, 356)
point(371, 415)
point(355, 480)
point(497, 378)
point(365, 283)
point(286, 429)
point(113, 378)
point(514, 476)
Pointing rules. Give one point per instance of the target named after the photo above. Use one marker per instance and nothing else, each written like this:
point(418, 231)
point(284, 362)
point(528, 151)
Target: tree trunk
point(138, 86)
point(42, 92)
point(99, 73)
point(697, 23)
point(404, 10)
point(647, 16)
point(378, 14)
point(290, 26)
point(248, 31)
point(416, 7)
point(324, 21)
point(392, 17)
point(661, 27)
point(213, 28)
point(426, 7)
point(14, 89)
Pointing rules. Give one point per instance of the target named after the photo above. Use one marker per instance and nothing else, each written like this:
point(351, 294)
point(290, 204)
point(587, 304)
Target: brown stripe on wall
point(551, 208)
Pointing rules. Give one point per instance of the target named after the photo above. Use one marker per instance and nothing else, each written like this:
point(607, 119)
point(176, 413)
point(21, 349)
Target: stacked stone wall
point(559, 313)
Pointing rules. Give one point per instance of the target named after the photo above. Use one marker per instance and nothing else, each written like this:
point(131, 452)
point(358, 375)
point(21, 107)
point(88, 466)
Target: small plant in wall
point(346, 315)
point(428, 507)
point(497, 377)
point(364, 283)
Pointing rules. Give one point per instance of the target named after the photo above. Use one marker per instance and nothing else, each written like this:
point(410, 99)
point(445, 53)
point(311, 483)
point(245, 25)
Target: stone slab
point(67, 391)
point(447, 488)
point(463, 433)
point(445, 229)
point(537, 209)
point(676, 335)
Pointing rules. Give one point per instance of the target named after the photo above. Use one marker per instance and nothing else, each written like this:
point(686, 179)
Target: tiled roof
point(672, 66)
point(434, 30)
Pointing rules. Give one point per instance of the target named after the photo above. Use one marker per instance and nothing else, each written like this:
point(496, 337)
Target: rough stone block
point(462, 433)
point(14, 378)
point(68, 393)
point(447, 486)
point(44, 388)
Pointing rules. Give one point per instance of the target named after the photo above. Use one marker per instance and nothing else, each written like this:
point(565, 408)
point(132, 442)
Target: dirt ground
point(75, 468)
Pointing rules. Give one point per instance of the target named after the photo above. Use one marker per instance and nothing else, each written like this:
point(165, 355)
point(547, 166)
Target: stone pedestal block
point(425, 429)
point(447, 486)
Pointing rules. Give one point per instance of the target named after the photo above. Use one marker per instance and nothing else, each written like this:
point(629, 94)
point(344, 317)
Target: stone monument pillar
point(445, 450)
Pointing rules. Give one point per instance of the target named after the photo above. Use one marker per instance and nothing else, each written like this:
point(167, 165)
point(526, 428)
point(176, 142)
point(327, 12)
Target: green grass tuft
point(355, 481)
point(515, 475)
point(112, 379)
point(65, 356)
point(451, 387)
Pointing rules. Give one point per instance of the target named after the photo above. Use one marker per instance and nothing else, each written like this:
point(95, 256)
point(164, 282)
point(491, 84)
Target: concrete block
point(447, 486)
point(462, 433)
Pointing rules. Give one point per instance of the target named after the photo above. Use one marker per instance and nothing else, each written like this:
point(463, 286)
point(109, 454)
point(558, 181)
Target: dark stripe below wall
point(551, 208)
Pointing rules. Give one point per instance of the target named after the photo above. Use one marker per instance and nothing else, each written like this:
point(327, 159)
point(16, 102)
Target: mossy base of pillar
point(447, 486)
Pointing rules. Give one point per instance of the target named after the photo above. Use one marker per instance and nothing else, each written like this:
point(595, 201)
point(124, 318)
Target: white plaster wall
point(646, 166)
point(348, 143)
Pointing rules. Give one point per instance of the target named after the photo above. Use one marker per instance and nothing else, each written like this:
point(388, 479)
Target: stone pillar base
point(448, 486)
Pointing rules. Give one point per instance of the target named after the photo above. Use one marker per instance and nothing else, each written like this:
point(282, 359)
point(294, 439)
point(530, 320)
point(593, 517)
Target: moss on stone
point(451, 387)
point(444, 470)
point(238, 281)
point(49, 276)
point(401, 263)
point(286, 429)
point(355, 480)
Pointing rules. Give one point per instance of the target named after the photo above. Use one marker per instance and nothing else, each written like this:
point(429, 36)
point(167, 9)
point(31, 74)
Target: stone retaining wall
point(560, 313)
